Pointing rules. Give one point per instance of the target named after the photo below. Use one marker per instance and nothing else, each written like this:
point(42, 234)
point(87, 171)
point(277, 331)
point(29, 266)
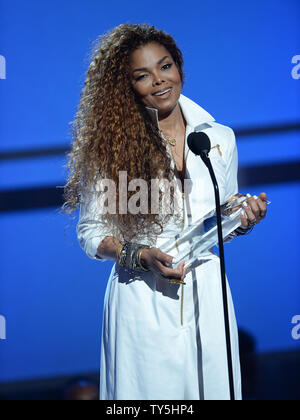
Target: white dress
point(164, 341)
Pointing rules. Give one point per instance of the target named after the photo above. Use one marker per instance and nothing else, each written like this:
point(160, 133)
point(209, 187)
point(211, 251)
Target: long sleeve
point(231, 176)
point(90, 232)
point(232, 168)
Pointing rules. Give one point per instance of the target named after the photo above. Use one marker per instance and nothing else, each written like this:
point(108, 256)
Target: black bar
point(61, 150)
point(51, 196)
point(30, 198)
point(34, 153)
point(269, 129)
point(274, 173)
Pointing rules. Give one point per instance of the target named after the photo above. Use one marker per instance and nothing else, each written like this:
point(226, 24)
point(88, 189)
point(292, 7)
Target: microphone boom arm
point(206, 160)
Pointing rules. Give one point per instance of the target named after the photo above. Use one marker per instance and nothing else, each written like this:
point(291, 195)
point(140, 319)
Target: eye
point(142, 76)
point(166, 66)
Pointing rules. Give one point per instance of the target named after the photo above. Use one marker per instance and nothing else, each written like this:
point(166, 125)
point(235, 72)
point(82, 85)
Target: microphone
point(199, 144)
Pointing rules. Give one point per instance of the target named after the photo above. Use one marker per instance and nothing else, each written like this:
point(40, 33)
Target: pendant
point(172, 141)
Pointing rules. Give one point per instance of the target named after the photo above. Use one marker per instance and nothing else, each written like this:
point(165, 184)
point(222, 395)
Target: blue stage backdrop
point(242, 65)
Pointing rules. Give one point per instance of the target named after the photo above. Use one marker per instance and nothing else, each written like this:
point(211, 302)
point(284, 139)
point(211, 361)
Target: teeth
point(162, 93)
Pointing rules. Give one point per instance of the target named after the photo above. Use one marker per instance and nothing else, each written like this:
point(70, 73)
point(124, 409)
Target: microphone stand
point(206, 160)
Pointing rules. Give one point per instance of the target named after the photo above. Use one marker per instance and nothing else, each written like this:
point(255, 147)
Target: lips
point(162, 92)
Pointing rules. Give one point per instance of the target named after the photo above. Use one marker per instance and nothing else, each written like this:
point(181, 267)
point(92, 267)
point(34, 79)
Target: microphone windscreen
point(199, 143)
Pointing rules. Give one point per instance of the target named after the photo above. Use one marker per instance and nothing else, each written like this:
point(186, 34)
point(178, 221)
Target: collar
point(194, 115)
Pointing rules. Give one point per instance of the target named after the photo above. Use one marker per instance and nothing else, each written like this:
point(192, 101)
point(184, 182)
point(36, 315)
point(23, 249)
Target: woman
point(163, 328)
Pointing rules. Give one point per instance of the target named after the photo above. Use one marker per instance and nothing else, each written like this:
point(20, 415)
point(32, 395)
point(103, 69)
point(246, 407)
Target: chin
point(167, 109)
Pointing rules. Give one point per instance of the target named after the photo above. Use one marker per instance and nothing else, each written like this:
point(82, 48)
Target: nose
point(157, 80)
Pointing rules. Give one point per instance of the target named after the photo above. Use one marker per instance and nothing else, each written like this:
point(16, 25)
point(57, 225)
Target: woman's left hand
point(255, 210)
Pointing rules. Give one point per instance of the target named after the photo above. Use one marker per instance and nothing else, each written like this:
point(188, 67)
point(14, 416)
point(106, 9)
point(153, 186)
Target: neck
point(172, 122)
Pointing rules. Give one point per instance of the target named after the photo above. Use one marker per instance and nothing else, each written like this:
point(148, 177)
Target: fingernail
point(248, 195)
point(255, 196)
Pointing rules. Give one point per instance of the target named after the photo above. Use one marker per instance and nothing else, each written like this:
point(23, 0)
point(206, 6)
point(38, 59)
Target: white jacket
point(164, 341)
point(200, 199)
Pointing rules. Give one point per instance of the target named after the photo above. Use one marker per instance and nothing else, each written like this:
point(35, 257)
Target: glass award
point(196, 240)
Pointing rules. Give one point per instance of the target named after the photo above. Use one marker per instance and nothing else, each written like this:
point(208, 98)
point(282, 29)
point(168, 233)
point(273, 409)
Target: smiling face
point(155, 78)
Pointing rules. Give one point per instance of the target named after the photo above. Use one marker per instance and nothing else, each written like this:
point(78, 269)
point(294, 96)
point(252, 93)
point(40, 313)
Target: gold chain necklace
point(171, 140)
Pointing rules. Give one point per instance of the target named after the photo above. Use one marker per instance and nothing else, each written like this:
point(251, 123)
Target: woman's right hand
point(158, 262)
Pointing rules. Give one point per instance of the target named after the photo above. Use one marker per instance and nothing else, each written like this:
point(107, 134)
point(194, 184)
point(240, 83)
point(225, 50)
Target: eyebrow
point(145, 68)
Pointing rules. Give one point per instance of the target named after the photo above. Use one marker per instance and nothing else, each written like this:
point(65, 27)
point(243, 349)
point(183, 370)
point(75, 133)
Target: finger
point(170, 272)
point(181, 280)
point(165, 258)
point(262, 205)
point(252, 203)
point(178, 275)
point(180, 268)
point(183, 268)
point(184, 272)
point(244, 219)
point(250, 216)
point(264, 199)
point(263, 196)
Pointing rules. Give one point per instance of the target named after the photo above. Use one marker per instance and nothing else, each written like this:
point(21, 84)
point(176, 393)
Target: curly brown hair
point(113, 131)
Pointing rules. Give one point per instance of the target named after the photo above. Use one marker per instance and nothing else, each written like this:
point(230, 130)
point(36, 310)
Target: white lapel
point(194, 115)
point(200, 196)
